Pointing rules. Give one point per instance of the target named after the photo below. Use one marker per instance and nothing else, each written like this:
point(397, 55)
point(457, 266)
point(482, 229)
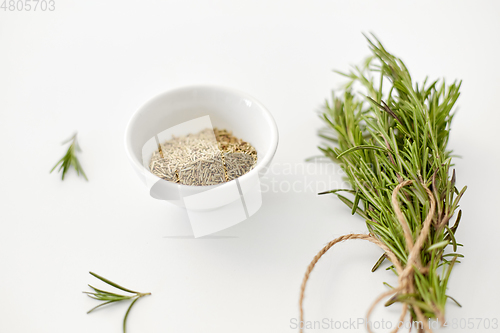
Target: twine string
point(405, 274)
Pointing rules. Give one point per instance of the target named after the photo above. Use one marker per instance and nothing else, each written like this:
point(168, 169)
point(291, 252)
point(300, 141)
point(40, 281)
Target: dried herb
point(390, 135)
point(69, 159)
point(209, 157)
point(109, 297)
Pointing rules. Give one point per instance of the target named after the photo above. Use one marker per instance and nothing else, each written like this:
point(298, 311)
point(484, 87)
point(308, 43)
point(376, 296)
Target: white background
point(88, 65)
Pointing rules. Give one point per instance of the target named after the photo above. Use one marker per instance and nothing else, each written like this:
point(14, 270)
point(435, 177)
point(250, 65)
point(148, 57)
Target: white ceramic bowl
point(228, 109)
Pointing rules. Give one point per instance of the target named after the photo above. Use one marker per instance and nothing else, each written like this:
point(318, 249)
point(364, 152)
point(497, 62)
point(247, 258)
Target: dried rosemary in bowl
point(209, 157)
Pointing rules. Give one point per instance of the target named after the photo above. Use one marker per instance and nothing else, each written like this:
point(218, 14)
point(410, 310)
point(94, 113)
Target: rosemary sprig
point(109, 297)
point(390, 135)
point(70, 159)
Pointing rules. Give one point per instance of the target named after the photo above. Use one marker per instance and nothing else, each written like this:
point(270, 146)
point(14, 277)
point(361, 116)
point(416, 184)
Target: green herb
point(70, 159)
point(384, 129)
point(109, 297)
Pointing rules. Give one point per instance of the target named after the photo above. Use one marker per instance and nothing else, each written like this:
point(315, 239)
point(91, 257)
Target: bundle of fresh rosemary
point(392, 145)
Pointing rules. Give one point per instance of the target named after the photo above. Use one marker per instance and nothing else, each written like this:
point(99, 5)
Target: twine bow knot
point(406, 273)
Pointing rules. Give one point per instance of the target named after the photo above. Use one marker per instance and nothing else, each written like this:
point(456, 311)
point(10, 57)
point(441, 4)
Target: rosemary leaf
point(110, 297)
point(70, 160)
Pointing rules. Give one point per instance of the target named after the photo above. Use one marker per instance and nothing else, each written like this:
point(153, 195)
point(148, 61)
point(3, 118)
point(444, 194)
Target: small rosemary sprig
point(70, 159)
point(109, 297)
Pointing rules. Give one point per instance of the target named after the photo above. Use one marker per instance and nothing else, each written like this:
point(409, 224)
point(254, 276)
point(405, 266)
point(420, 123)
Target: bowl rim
point(266, 159)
